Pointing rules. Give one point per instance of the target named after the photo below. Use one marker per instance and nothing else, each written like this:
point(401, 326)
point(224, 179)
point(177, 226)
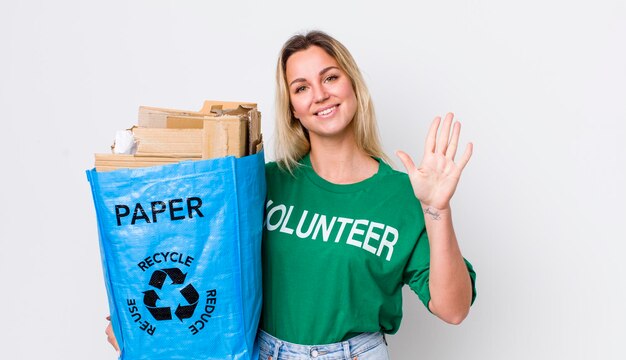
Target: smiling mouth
point(327, 111)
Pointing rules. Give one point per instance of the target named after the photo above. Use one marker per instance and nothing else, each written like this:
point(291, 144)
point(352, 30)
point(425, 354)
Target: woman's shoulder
point(278, 168)
point(393, 175)
point(271, 166)
point(273, 170)
point(398, 184)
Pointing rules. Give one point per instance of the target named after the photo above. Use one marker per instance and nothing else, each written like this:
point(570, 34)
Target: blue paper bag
point(180, 247)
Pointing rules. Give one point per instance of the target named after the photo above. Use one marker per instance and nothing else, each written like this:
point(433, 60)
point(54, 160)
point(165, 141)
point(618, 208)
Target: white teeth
point(327, 111)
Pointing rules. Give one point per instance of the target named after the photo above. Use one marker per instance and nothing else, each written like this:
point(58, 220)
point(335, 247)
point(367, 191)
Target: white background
point(538, 85)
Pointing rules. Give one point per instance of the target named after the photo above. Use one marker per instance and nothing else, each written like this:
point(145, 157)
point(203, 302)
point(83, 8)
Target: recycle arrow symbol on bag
point(188, 292)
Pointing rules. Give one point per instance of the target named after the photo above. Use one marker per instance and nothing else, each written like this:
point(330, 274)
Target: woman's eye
point(331, 78)
point(300, 89)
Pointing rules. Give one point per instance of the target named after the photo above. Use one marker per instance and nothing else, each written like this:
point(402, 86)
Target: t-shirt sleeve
point(417, 270)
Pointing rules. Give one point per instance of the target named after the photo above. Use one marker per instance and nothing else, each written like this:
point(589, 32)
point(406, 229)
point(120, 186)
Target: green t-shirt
point(336, 256)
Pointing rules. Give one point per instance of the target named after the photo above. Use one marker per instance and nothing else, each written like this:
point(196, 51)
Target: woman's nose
point(320, 94)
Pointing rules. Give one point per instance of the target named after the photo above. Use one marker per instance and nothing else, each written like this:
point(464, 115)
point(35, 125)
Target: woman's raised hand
point(437, 176)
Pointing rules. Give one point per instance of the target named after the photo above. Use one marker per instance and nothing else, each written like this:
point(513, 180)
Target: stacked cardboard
point(165, 136)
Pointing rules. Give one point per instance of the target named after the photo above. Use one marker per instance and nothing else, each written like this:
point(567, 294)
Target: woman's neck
point(341, 162)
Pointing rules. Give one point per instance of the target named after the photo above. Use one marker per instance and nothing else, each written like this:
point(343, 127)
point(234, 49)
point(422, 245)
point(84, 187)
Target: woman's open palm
point(437, 176)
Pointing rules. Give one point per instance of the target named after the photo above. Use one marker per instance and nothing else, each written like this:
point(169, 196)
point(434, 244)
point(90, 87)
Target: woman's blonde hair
point(292, 139)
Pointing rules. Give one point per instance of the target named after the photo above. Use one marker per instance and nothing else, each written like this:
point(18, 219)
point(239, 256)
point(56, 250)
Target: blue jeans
point(366, 346)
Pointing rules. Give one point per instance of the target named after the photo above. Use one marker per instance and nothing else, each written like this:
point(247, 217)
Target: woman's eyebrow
point(297, 80)
point(324, 70)
point(327, 69)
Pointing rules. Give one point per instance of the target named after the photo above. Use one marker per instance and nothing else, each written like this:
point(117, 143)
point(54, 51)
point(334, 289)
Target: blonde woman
point(344, 231)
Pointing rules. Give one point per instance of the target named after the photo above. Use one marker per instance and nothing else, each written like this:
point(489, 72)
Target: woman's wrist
point(436, 213)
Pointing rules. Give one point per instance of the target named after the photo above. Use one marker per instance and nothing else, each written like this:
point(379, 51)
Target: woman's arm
point(450, 284)
point(434, 182)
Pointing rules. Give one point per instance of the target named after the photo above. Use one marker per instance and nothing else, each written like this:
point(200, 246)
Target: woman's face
point(321, 94)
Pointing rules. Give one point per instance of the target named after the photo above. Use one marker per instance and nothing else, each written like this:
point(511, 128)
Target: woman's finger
point(454, 141)
point(444, 135)
point(466, 156)
point(431, 138)
point(408, 163)
point(111, 336)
